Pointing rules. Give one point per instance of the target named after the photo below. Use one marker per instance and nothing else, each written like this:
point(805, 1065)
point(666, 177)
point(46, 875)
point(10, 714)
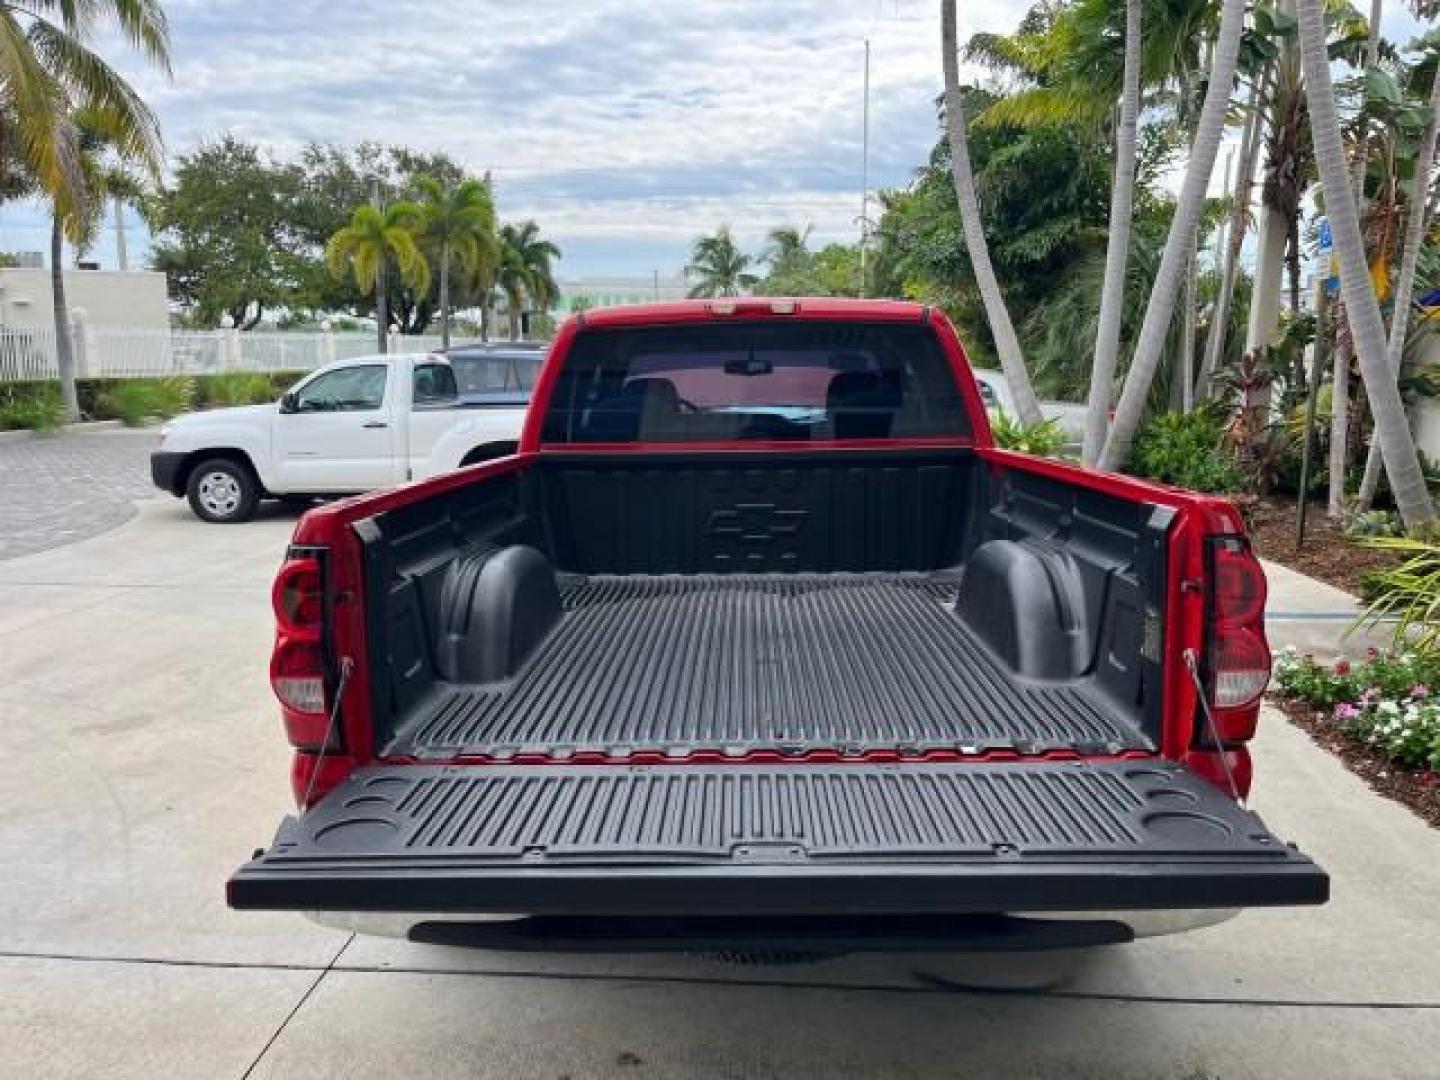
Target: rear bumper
point(165, 469)
point(776, 841)
point(896, 934)
point(884, 889)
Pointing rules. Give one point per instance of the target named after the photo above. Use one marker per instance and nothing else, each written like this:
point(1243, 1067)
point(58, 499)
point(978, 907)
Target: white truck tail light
point(1241, 663)
point(298, 676)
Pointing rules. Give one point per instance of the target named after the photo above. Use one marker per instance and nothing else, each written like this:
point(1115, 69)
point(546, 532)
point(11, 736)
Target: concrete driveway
point(144, 761)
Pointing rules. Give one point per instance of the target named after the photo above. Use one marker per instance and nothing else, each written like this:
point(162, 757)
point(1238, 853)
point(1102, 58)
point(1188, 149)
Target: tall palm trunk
point(444, 296)
point(1007, 344)
point(1268, 279)
point(1274, 232)
point(1339, 419)
point(382, 308)
point(1178, 245)
point(1234, 238)
point(1117, 250)
point(1392, 429)
point(64, 342)
point(1185, 362)
point(1405, 283)
point(1344, 353)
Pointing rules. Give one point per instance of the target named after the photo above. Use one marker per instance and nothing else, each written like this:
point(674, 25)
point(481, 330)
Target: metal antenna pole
point(865, 174)
point(122, 258)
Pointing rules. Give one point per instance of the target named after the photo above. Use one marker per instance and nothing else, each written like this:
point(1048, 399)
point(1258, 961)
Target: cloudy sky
point(624, 128)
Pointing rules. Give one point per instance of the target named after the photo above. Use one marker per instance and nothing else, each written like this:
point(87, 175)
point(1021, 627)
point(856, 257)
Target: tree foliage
point(242, 234)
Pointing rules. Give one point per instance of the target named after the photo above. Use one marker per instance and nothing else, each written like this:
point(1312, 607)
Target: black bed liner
point(839, 661)
point(797, 839)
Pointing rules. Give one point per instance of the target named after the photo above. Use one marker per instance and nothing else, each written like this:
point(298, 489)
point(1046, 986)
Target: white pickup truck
point(353, 426)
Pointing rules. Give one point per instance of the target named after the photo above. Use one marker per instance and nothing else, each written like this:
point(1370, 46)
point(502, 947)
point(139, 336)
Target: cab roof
point(722, 308)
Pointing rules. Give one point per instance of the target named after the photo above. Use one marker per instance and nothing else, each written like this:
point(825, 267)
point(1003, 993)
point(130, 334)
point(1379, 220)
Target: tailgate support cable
point(346, 666)
point(1194, 668)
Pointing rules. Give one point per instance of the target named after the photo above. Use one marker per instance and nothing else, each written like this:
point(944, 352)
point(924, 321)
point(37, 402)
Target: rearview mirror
point(287, 402)
point(751, 365)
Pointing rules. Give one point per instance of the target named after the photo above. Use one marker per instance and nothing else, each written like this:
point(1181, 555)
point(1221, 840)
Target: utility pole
point(382, 300)
point(656, 273)
point(865, 173)
point(121, 257)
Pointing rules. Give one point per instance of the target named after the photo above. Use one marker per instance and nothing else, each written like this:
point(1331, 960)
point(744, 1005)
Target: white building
point(132, 300)
point(612, 291)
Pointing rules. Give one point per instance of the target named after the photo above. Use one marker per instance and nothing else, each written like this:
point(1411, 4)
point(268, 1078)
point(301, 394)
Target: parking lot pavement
point(144, 761)
point(56, 489)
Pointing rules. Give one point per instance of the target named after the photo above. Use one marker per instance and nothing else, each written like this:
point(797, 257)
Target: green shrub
point(137, 401)
point(99, 401)
point(1385, 701)
point(1408, 593)
point(1185, 449)
point(1373, 523)
point(1044, 439)
point(235, 388)
point(34, 406)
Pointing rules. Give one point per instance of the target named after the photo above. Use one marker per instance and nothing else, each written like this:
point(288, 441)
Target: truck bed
point(736, 663)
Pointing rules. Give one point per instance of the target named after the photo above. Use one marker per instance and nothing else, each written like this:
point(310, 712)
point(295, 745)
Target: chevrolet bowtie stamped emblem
point(755, 522)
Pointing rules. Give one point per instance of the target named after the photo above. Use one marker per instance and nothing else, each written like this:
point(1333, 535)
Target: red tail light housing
point(1237, 658)
point(298, 598)
point(297, 675)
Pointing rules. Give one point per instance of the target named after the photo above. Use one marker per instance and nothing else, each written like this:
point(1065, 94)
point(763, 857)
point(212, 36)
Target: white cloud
point(633, 125)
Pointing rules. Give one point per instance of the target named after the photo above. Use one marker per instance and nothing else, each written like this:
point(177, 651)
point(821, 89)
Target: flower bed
point(1382, 714)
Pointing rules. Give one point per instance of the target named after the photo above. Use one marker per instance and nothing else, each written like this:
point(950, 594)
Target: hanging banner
point(1327, 265)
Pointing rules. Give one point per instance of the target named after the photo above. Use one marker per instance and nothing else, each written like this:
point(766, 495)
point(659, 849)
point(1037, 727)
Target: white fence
point(110, 352)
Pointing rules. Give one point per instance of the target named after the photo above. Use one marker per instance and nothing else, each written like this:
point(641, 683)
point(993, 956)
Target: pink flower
point(1342, 667)
point(1370, 695)
point(1419, 690)
point(1346, 711)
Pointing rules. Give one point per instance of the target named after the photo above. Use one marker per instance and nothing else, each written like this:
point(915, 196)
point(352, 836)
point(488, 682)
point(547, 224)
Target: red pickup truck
point(758, 641)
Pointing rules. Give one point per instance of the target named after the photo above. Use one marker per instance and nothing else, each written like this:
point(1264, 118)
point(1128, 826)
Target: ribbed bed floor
point(734, 663)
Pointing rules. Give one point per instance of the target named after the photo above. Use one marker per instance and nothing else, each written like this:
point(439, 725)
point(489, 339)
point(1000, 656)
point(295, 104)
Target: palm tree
point(1344, 351)
point(523, 271)
point(719, 266)
point(1234, 234)
point(1392, 429)
point(1122, 211)
point(104, 148)
point(458, 226)
point(1007, 344)
point(787, 248)
point(1405, 283)
point(48, 69)
point(369, 244)
point(1209, 127)
point(49, 73)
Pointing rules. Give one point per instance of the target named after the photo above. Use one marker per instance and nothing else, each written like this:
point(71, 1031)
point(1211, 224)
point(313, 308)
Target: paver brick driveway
point(56, 489)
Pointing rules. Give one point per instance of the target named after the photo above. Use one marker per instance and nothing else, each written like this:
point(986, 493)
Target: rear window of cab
point(760, 381)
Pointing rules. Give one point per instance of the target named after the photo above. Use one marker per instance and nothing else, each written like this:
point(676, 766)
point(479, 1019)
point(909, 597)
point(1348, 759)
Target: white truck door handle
point(374, 424)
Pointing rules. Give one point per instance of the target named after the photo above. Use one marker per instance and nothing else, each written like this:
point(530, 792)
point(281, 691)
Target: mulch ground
point(1326, 554)
point(1417, 789)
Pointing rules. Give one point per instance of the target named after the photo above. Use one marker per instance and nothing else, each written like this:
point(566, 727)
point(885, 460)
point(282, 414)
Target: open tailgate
point(795, 839)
